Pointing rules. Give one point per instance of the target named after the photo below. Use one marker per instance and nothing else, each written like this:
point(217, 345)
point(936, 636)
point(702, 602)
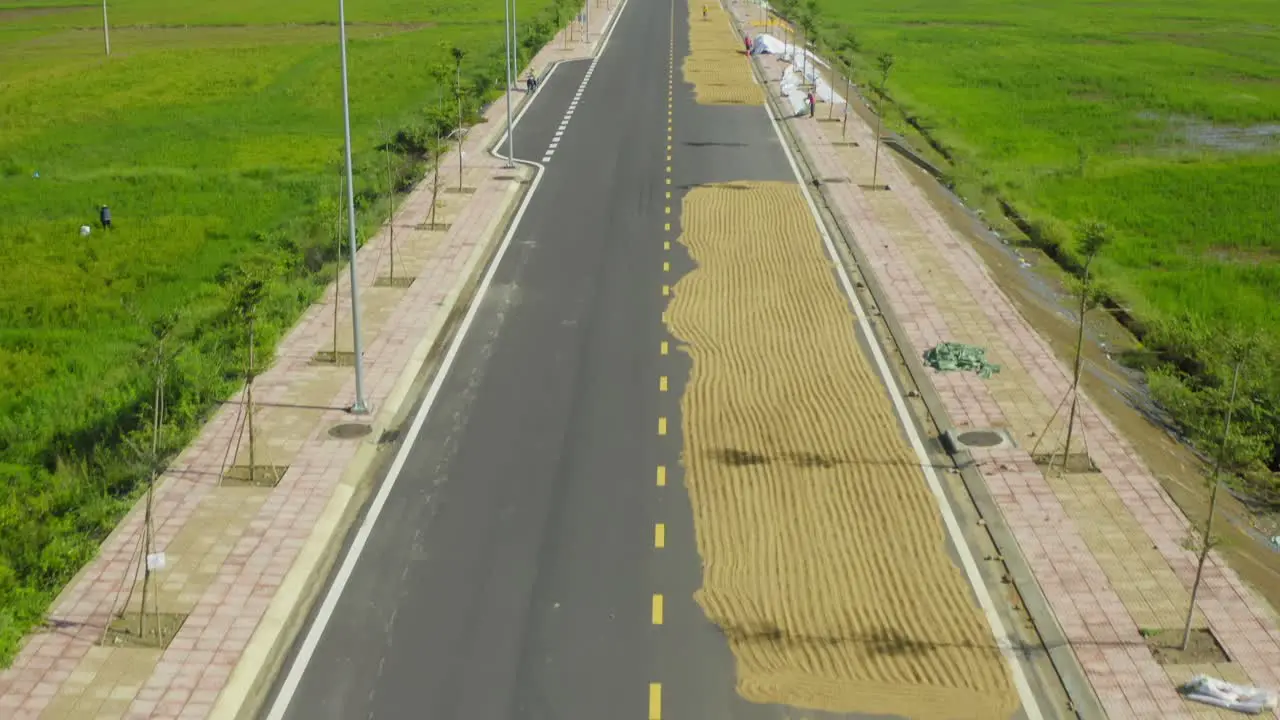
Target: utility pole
point(515, 49)
point(106, 32)
point(359, 407)
point(506, 32)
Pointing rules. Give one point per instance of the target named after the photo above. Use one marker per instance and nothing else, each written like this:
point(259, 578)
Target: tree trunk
point(844, 125)
point(391, 213)
point(459, 127)
point(249, 402)
point(831, 87)
point(1207, 539)
point(1075, 372)
point(875, 164)
point(337, 270)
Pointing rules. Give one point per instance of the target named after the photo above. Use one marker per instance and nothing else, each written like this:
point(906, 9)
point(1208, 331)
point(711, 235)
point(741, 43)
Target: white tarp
point(792, 91)
point(815, 72)
point(1220, 693)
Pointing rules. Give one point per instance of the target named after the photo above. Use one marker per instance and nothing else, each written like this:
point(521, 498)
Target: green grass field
point(1160, 118)
point(214, 132)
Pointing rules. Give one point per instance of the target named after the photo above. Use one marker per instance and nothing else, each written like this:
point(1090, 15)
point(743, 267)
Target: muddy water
point(825, 560)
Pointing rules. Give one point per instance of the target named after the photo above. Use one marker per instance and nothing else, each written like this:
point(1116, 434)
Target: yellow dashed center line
point(660, 529)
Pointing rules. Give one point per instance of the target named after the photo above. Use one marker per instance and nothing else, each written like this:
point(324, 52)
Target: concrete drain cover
point(985, 438)
point(350, 431)
point(981, 438)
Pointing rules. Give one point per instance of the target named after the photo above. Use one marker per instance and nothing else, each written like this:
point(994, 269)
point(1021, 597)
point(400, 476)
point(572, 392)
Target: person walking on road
point(530, 82)
point(813, 102)
point(104, 216)
point(704, 11)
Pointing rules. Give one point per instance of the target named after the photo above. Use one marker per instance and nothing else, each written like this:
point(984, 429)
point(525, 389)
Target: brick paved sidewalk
point(239, 555)
point(1106, 547)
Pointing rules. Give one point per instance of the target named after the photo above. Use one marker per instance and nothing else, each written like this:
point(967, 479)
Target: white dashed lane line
point(568, 114)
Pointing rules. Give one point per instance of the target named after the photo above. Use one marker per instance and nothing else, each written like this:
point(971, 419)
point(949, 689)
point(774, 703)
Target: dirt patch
point(155, 630)
point(716, 66)
point(1244, 256)
point(1166, 646)
point(825, 561)
point(16, 14)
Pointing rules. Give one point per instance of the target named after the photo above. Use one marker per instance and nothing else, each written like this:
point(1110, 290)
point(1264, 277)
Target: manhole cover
point(981, 438)
point(350, 431)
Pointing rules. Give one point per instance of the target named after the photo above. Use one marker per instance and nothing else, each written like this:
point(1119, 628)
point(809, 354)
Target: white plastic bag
point(1220, 693)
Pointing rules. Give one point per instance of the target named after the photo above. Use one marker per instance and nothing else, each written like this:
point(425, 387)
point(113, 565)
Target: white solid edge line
point(298, 666)
point(604, 42)
point(1029, 703)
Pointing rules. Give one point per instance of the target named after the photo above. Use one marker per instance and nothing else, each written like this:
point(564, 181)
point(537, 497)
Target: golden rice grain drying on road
point(716, 66)
point(825, 559)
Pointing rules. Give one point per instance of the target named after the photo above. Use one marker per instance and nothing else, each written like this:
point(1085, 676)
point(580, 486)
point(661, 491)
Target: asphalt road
point(512, 571)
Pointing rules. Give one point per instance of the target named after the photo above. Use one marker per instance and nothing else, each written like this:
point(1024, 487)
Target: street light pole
point(359, 407)
point(106, 32)
point(506, 31)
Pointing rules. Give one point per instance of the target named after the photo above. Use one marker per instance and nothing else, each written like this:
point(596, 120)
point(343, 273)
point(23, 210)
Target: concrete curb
point(250, 684)
point(291, 608)
point(1084, 702)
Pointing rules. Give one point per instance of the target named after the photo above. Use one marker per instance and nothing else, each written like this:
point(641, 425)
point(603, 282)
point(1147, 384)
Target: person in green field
point(104, 216)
